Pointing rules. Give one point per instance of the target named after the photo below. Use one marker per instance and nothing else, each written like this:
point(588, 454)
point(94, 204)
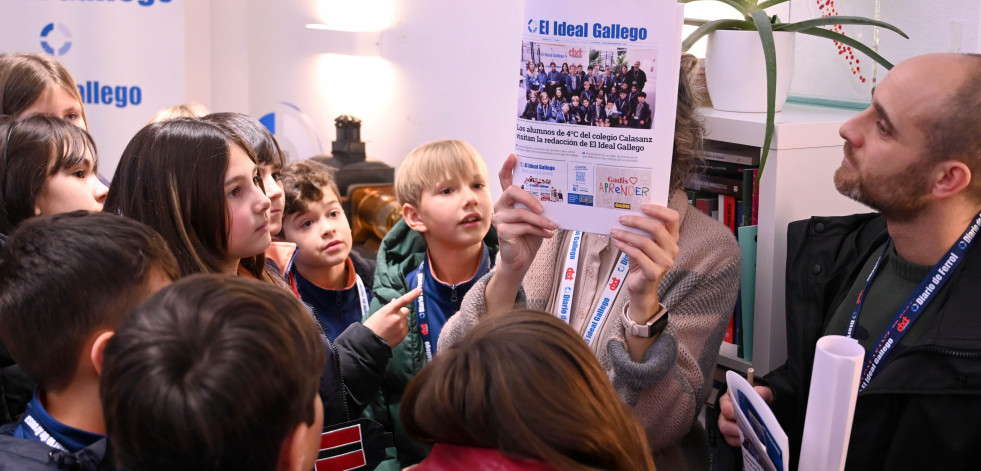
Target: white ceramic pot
point(735, 71)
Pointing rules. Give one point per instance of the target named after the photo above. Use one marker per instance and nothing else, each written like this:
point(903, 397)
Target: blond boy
point(443, 243)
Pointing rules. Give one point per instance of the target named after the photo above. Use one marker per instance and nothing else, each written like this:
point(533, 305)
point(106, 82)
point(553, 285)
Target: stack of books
point(724, 187)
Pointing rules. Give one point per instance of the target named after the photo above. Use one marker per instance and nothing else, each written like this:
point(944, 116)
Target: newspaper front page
point(596, 107)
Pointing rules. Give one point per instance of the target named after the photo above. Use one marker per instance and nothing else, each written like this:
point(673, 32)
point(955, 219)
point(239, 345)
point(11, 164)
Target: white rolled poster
point(831, 403)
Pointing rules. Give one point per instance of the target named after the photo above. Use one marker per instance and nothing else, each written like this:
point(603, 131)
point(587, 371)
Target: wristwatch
point(654, 326)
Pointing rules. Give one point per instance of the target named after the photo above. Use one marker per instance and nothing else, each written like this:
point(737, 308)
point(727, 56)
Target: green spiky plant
point(594, 57)
point(620, 61)
point(756, 19)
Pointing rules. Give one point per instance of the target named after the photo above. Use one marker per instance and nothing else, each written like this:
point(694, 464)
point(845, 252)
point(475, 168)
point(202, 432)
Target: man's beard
point(899, 196)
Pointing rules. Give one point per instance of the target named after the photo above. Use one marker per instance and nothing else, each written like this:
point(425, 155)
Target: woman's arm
point(668, 387)
point(652, 255)
point(520, 232)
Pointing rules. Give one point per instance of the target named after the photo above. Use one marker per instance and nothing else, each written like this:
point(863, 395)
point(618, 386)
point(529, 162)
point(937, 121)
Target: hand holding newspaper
point(764, 443)
point(830, 409)
point(594, 142)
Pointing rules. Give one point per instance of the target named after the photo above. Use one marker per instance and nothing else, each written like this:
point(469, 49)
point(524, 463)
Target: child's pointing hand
point(391, 322)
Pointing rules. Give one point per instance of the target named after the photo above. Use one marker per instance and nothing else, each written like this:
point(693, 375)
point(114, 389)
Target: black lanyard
point(914, 305)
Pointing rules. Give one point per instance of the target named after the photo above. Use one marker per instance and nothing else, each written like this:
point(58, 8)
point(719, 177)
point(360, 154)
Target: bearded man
point(905, 282)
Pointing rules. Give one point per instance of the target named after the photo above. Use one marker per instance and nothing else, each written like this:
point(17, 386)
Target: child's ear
point(98, 347)
point(300, 448)
point(411, 216)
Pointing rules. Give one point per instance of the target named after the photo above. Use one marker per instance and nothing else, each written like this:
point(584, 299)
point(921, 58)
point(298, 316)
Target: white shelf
point(797, 183)
point(797, 126)
point(728, 358)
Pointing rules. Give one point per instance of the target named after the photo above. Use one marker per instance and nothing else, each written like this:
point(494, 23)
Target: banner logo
point(56, 44)
point(294, 130)
point(144, 3)
point(95, 93)
point(530, 29)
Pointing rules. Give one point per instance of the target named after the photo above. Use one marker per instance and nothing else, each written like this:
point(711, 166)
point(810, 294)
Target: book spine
point(702, 205)
point(737, 328)
point(727, 211)
point(747, 198)
point(723, 169)
point(756, 198)
point(729, 338)
point(747, 288)
point(732, 158)
point(720, 185)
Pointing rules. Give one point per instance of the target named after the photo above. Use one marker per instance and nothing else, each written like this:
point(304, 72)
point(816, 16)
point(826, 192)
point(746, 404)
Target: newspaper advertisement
point(764, 443)
point(596, 107)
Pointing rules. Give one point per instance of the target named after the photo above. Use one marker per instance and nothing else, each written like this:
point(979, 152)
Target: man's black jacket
point(923, 409)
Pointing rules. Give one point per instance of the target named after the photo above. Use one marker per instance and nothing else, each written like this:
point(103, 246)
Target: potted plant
point(756, 19)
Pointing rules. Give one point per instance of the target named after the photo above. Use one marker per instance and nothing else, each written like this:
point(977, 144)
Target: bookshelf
point(797, 183)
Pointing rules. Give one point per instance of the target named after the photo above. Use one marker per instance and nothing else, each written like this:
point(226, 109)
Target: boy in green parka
point(443, 243)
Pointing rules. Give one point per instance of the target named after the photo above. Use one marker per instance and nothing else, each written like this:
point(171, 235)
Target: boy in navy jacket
point(623, 107)
point(66, 282)
point(641, 115)
point(332, 280)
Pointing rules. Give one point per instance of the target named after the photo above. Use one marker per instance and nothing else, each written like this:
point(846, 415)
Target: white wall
point(456, 69)
point(446, 71)
point(820, 72)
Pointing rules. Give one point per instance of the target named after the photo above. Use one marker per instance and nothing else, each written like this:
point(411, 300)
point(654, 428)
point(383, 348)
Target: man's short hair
point(956, 133)
point(643, 94)
point(65, 277)
point(213, 372)
point(304, 182)
point(430, 164)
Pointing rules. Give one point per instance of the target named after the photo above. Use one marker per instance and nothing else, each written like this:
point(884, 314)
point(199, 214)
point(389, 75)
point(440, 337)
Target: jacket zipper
point(942, 351)
point(337, 361)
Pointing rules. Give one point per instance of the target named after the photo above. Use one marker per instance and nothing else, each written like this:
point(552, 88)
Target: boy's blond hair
point(186, 110)
point(431, 163)
point(304, 182)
